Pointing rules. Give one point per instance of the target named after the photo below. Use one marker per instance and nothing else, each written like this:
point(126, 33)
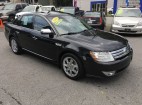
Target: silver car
point(127, 20)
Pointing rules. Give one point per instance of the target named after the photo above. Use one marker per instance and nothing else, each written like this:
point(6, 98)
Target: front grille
point(127, 31)
point(124, 25)
point(121, 52)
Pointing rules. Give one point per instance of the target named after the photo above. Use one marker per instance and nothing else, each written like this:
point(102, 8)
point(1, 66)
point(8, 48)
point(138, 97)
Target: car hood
point(97, 40)
point(128, 20)
point(21, 13)
point(5, 11)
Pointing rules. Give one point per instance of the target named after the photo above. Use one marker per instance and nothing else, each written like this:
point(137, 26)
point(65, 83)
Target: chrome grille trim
point(120, 53)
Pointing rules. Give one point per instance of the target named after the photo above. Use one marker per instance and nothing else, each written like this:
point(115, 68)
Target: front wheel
point(72, 67)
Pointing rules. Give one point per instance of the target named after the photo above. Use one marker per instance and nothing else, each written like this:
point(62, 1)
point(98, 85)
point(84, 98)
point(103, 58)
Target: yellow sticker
point(56, 20)
point(62, 10)
point(120, 11)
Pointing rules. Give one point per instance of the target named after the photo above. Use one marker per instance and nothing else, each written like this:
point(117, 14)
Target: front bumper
point(4, 18)
point(107, 69)
point(126, 30)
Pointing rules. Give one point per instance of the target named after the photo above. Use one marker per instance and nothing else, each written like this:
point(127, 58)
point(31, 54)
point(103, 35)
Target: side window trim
point(54, 30)
point(27, 15)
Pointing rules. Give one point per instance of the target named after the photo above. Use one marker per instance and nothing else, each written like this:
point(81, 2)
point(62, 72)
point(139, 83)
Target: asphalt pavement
point(29, 80)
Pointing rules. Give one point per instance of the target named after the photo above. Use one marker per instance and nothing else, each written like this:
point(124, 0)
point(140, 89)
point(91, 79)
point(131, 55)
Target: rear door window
point(27, 21)
point(92, 14)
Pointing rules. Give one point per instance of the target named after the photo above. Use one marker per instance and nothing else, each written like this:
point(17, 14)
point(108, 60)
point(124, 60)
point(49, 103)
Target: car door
point(23, 30)
point(43, 44)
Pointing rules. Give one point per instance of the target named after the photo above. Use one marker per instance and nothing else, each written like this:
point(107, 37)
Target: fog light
point(110, 73)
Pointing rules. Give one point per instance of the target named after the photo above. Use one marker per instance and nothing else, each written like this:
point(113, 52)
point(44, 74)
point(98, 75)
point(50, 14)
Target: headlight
point(139, 24)
point(116, 23)
point(102, 56)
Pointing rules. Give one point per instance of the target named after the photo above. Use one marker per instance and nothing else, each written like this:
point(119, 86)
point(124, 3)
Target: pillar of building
point(141, 5)
point(114, 6)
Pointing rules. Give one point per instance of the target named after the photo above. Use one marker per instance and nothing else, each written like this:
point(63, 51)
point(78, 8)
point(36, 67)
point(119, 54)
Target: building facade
point(92, 5)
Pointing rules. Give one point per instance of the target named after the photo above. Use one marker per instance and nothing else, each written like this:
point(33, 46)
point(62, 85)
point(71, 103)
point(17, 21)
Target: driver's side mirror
point(47, 31)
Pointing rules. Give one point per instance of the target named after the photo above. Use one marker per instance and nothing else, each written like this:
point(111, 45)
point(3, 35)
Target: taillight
point(101, 20)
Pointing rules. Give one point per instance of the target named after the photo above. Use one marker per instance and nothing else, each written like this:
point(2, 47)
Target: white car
point(127, 20)
point(28, 9)
point(48, 8)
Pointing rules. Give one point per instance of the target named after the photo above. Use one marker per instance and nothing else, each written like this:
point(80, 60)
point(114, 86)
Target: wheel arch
point(70, 52)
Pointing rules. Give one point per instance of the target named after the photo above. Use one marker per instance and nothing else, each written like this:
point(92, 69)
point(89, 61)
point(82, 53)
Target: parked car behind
point(9, 11)
point(72, 10)
point(128, 21)
point(71, 43)
point(48, 8)
point(28, 9)
point(95, 19)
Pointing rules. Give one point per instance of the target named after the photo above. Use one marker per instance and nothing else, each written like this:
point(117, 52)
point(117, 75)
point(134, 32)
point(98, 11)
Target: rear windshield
point(29, 9)
point(128, 13)
point(9, 7)
point(68, 10)
point(92, 14)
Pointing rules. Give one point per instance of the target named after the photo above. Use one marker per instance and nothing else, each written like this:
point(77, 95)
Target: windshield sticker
point(56, 20)
point(120, 11)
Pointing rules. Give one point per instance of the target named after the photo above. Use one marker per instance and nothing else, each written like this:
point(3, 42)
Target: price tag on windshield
point(56, 20)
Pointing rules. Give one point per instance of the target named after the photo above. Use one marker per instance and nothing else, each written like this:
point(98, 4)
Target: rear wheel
point(72, 67)
point(14, 46)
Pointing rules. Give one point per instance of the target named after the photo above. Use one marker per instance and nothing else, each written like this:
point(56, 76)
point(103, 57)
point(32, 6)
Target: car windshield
point(92, 14)
point(29, 9)
point(69, 24)
point(68, 10)
point(128, 13)
point(9, 7)
point(46, 8)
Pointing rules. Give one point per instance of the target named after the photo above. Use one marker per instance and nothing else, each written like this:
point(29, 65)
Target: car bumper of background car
point(108, 69)
point(126, 30)
point(4, 18)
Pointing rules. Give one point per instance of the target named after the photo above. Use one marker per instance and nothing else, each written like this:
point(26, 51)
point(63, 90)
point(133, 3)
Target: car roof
point(49, 13)
point(49, 6)
point(35, 5)
point(67, 7)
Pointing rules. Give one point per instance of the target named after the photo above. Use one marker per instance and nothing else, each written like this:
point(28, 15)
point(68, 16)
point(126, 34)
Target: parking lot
point(29, 80)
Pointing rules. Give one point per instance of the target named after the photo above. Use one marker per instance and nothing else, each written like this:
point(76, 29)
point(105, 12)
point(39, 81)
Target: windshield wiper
point(70, 33)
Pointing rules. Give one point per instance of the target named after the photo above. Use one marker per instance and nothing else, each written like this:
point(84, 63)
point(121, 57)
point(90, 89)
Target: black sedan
point(95, 19)
point(69, 42)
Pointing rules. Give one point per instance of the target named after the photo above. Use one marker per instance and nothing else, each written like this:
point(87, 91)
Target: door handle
point(35, 38)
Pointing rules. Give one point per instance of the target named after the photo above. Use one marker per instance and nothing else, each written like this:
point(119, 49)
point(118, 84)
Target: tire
point(14, 46)
point(72, 66)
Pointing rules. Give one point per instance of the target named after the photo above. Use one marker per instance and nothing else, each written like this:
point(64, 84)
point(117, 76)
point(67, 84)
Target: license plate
point(128, 30)
point(89, 22)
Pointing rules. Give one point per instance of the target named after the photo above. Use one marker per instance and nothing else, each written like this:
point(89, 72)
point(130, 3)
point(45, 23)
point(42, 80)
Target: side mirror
point(47, 31)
